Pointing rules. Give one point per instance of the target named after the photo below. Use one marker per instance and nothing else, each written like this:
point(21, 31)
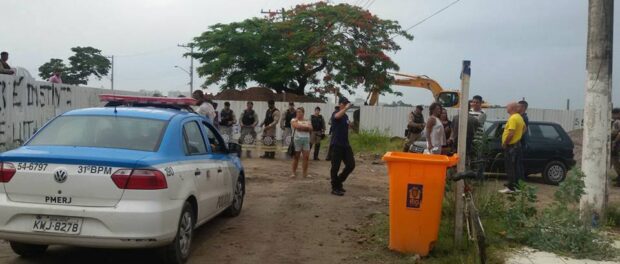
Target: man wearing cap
point(272, 118)
point(341, 149)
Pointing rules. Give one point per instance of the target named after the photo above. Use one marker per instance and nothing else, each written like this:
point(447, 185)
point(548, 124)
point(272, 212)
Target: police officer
point(227, 120)
point(272, 118)
point(318, 132)
point(248, 120)
point(285, 122)
point(415, 126)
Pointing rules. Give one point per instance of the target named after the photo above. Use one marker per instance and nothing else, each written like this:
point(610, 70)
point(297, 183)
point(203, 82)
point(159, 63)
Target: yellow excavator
point(445, 98)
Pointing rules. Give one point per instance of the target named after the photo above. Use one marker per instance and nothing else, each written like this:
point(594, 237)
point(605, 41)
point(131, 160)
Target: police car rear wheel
point(28, 250)
point(178, 251)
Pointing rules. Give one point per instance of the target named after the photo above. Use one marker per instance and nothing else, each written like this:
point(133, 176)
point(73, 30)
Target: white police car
point(140, 172)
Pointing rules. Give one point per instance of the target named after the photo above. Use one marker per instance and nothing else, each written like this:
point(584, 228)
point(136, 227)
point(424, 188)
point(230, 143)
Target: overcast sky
point(520, 48)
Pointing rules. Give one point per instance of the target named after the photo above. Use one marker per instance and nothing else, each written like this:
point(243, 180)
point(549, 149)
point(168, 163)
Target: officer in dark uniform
point(272, 118)
point(227, 120)
point(248, 120)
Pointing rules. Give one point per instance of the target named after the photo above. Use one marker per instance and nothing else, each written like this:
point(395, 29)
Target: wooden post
point(462, 145)
point(597, 111)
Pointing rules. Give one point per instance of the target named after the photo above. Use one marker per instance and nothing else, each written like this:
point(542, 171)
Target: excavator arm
point(418, 81)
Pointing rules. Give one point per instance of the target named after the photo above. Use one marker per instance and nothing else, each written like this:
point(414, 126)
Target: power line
point(369, 4)
point(434, 14)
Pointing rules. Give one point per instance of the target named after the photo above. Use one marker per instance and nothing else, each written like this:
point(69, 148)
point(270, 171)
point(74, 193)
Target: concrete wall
point(393, 120)
point(26, 104)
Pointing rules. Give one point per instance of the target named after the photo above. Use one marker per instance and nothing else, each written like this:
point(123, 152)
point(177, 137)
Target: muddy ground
point(283, 221)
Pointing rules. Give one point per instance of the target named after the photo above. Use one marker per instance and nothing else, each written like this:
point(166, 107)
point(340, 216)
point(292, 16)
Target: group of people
point(442, 135)
point(304, 133)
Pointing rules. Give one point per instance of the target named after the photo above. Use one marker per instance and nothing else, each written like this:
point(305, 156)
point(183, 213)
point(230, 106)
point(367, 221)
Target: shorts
point(302, 144)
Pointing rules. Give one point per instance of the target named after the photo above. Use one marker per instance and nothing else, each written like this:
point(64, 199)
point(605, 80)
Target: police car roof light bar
point(181, 101)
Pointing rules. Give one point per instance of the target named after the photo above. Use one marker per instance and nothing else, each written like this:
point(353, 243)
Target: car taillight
point(7, 171)
point(139, 179)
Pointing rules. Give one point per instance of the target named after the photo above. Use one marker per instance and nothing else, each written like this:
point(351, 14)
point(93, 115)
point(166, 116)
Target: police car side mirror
point(234, 148)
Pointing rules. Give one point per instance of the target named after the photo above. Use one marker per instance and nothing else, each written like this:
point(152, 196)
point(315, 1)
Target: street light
point(190, 76)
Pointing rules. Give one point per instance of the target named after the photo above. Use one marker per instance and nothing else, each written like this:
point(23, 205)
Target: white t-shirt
point(301, 134)
point(206, 109)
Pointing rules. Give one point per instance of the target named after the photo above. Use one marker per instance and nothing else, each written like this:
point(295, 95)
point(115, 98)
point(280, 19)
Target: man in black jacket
point(318, 125)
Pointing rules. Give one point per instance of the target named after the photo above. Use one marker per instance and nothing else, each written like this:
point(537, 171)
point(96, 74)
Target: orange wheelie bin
point(417, 183)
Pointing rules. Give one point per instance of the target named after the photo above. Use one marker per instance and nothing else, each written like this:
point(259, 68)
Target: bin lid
point(421, 158)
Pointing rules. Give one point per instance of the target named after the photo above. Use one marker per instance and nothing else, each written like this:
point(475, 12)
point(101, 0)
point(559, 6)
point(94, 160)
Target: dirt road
point(283, 221)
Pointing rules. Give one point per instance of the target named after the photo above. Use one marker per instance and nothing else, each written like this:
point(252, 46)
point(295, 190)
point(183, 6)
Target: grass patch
point(373, 142)
point(613, 215)
point(558, 228)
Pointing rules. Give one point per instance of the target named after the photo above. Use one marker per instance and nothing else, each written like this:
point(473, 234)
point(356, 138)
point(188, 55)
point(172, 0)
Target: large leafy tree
point(84, 63)
point(316, 48)
point(47, 69)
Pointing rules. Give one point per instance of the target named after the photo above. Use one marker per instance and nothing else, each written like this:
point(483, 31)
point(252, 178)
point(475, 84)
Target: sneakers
point(343, 190)
point(337, 192)
point(507, 191)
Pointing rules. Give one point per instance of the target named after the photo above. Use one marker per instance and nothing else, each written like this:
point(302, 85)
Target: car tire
point(554, 173)
point(238, 194)
point(28, 250)
point(179, 250)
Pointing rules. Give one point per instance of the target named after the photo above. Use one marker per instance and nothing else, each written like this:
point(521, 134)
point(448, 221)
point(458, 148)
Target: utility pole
point(112, 71)
point(567, 104)
point(274, 13)
point(597, 111)
point(462, 150)
point(190, 47)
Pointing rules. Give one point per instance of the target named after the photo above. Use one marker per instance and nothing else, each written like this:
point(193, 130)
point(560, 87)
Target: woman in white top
point(301, 140)
point(435, 135)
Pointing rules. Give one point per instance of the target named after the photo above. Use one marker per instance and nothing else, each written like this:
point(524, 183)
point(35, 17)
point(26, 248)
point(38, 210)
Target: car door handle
point(197, 172)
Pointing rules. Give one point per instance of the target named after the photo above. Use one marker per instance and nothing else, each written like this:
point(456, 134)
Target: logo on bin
point(414, 195)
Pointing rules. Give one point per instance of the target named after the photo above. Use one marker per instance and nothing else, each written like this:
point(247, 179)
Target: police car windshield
point(102, 131)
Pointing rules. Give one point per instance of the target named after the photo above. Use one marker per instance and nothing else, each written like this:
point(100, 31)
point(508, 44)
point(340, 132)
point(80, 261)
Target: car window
point(102, 131)
point(217, 143)
point(544, 132)
point(194, 142)
point(499, 130)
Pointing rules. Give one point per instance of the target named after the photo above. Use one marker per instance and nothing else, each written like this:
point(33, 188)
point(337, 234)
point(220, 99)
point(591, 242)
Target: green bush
point(558, 228)
point(374, 142)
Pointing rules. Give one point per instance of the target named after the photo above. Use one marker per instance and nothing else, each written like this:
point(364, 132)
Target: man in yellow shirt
point(511, 143)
